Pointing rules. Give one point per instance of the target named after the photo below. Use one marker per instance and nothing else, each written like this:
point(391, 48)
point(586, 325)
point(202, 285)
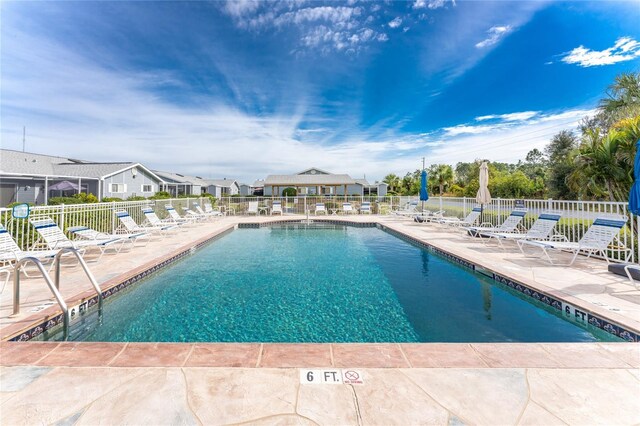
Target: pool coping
point(322, 355)
point(52, 317)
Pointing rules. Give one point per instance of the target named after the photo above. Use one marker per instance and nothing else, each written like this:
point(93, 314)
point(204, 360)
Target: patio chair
point(10, 251)
point(253, 208)
point(347, 208)
point(410, 209)
point(211, 214)
point(542, 229)
point(209, 209)
point(509, 225)
point(86, 233)
point(600, 234)
point(54, 238)
point(320, 209)
point(174, 217)
point(365, 207)
point(276, 207)
point(129, 226)
point(470, 220)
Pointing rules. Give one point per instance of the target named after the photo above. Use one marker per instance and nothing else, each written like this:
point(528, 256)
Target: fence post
point(549, 203)
point(113, 217)
point(62, 216)
point(464, 206)
point(304, 200)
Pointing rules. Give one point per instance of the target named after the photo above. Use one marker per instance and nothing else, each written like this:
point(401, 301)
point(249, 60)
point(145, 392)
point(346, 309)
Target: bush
point(54, 201)
point(136, 198)
point(15, 203)
point(160, 195)
point(86, 198)
point(111, 199)
point(289, 192)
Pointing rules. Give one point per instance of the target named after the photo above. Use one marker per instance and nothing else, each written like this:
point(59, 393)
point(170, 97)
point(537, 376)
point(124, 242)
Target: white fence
point(576, 215)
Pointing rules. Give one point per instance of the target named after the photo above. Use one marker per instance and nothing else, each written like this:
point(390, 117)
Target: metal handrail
point(53, 286)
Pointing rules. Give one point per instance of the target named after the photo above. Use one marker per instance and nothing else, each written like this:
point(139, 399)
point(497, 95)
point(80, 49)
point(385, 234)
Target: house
point(256, 188)
point(313, 181)
point(378, 188)
point(222, 187)
point(179, 184)
point(27, 177)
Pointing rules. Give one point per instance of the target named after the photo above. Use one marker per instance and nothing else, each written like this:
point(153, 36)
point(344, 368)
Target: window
point(118, 188)
point(147, 188)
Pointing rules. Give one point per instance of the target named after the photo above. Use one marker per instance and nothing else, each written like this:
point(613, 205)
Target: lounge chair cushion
point(618, 269)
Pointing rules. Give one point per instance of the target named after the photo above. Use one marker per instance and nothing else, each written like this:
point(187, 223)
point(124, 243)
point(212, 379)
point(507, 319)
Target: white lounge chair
point(509, 225)
point(600, 234)
point(174, 217)
point(209, 209)
point(320, 209)
point(276, 207)
point(211, 214)
point(365, 207)
point(347, 208)
point(410, 209)
point(627, 270)
point(54, 238)
point(470, 220)
point(542, 229)
point(130, 226)
point(86, 233)
point(10, 251)
point(253, 208)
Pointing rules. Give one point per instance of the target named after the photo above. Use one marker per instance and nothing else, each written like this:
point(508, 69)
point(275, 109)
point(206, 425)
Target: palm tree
point(393, 181)
point(598, 170)
point(441, 175)
point(623, 94)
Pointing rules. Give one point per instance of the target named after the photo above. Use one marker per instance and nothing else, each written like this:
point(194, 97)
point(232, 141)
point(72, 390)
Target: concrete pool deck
point(114, 383)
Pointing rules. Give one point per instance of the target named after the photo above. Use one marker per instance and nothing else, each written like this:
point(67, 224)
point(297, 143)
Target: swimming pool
point(325, 284)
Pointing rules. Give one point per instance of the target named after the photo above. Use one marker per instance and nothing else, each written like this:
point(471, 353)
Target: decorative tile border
point(302, 221)
point(49, 324)
point(576, 315)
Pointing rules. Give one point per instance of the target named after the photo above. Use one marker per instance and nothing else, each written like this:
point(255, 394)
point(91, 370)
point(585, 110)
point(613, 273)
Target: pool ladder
point(53, 286)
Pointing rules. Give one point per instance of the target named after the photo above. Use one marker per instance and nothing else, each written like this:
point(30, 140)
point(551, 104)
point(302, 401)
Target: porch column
point(79, 185)
point(46, 189)
point(100, 190)
point(345, 192)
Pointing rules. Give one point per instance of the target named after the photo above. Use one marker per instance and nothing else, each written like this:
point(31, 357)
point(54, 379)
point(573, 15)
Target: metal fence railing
point(577, 216)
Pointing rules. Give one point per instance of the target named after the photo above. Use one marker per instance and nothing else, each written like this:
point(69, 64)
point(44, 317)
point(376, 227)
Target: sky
point(243, 89)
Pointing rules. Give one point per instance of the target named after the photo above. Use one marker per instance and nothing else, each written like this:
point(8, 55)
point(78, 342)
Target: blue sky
point(244, 89)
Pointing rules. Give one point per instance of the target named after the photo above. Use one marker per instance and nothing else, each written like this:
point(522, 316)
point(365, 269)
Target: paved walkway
point(136, 383)
point(485, 384)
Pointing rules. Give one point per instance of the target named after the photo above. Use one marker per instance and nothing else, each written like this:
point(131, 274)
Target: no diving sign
point(331, 377)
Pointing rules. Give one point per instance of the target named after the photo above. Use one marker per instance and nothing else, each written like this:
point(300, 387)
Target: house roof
point(317, 179)
point(224, 183)
point(313, 171)
point(26, 163)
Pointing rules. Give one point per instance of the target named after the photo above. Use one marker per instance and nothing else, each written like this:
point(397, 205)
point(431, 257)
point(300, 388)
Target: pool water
point(338, 284)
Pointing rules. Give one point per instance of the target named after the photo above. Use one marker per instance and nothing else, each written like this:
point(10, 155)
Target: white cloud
point(325, 28)
point(431, 4)
point(495, 33)
point(239, 8)
point(514, 116)
point(624, 49)
point(396, 22)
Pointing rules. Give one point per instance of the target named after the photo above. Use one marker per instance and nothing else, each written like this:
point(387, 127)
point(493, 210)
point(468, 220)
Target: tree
point(623, 96)
point(560, 155)
point(599, 171)
point(393, 181)
point(441, 175)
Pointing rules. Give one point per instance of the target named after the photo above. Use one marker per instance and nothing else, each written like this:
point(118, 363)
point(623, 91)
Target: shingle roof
point(317, 179)
point(224, 183)
point(18, 162)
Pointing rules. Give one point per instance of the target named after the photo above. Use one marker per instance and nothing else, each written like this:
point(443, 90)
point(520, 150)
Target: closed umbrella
point(634, 194)
point(483, 196)
point(424, 195)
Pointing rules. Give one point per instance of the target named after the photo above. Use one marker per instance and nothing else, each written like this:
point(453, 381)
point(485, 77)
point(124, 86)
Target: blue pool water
point(325, 285)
